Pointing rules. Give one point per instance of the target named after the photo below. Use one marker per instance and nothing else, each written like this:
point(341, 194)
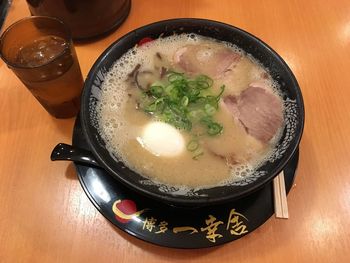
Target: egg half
point(162, 139)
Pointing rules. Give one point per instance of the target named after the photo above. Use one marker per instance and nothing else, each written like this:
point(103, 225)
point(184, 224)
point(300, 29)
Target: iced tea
point(47, 64)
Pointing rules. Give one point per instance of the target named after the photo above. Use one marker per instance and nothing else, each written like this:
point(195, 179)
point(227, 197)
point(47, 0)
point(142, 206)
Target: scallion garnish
point(197, 155)
point(192, 145)
point(185, 102)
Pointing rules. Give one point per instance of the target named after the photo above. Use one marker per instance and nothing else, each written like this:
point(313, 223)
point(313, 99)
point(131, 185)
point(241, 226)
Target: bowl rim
point(175, 199)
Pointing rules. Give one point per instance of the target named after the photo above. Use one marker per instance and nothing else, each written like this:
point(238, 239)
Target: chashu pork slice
point(256, 115)
point(259, 110)
point(211, 60)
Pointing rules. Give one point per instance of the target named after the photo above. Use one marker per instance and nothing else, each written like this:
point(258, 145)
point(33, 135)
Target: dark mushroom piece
point(133, 72)
point(163, 72)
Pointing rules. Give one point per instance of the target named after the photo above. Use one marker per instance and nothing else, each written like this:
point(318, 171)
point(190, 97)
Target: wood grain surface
point(46, 217)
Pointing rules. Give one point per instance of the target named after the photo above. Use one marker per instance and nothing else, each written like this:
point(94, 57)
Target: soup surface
point(190, 111)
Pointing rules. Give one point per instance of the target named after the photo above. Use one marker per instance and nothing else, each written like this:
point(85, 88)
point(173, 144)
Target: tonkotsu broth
point(121, 123)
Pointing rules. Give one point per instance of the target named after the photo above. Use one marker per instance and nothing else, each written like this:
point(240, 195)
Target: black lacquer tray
point(171, 226)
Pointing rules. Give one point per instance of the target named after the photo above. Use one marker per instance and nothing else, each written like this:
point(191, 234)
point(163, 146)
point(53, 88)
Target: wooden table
point(46, 217)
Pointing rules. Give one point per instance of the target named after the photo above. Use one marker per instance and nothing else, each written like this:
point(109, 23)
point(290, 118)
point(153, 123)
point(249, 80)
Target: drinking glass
point(40, 51)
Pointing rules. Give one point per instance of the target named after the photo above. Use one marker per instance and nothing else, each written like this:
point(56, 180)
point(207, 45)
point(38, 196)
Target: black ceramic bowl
point(169, 194)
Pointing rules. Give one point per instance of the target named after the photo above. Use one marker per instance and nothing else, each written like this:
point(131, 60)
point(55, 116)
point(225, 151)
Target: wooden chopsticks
point(280, 196)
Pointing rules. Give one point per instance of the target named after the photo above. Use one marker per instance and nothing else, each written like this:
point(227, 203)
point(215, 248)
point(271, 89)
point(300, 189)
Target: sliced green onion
point(221, 92)
point(192, 145)
point(204, 78)
point(214, 129)
point(160, 104)
point(151, 108)
point(156, 91)
point(184, 101)
point(172, 77)
point(209, 109)
point(202, 85)
point(192, 85)
point(197, 155)
point(213, 101)
point(169, 88)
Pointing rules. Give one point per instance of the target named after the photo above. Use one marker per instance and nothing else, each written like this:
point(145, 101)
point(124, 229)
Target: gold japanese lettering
point(212, 227)
point(163, 227)
point(235, 224)
point(149, 224)
point(184, 229)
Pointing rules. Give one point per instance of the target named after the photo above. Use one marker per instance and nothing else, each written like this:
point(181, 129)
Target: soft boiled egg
point(162, 139)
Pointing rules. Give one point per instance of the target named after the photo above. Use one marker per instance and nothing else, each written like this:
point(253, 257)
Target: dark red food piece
point(145, 40)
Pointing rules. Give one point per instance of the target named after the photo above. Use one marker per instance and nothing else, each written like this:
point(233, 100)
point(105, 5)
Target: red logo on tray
point(126, 210)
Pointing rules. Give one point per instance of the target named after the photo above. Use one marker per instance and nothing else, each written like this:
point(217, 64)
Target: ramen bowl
point(176, 195)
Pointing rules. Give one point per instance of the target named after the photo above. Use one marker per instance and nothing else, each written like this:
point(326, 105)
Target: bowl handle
point(65, 152)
